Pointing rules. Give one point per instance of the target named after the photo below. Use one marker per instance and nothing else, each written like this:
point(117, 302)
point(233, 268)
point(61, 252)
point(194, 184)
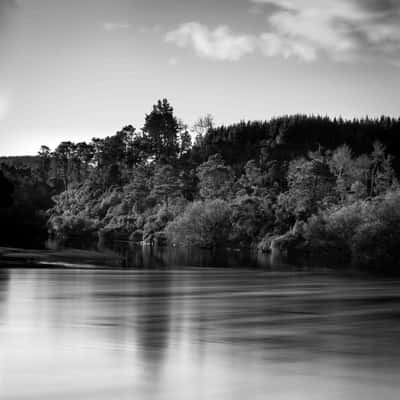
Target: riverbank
point(65, 258)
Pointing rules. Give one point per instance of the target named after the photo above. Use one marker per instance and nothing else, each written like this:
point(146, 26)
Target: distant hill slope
point(288, 137)
point(21, 161)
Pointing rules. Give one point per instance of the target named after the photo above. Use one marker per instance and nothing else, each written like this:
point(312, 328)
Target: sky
point(78, 69)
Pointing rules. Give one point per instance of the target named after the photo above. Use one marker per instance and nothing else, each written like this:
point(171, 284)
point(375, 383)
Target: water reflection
point(184, 333)
point(4, 278)
point(147, 257)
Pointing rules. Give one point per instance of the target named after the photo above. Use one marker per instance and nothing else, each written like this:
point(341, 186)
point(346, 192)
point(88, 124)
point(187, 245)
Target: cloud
point(218, 44)
point(223, 45)
point(150, 29)
point(341, 29)
point(115, 26)
point(273, 45)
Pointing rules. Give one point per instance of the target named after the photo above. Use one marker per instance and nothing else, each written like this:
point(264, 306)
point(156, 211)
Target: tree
point(6, 191)
point(44, 155)
point(382, 173)
point(204, 224)
point(185, 140)
point(215, 178)
point(138, 150)
point(161, 128)
point(251, 217)
point(360, 173)
point(138, 189)
point(252, 179)
point(341, 164)
point(310, 186)
point(202, 126)
point(112, 149)
point(63, 155)
point(113, 176)
point(83, 158)
point(166, 183)
point(112, 157)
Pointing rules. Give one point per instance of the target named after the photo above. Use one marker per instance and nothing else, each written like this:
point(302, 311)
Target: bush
point(334, 228)
point(203, 223)
point(377, 240)
point(252, 217)
point(368, 231)
point(136, 236)
point(71, 226)
point(156, 223)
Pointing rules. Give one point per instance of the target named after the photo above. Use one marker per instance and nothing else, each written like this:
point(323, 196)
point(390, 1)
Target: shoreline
point(11, 257)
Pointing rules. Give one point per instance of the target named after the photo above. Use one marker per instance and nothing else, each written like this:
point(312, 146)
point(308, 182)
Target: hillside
point(305, 184)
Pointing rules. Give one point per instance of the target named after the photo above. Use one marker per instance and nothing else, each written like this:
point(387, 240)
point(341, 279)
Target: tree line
point(292, 183)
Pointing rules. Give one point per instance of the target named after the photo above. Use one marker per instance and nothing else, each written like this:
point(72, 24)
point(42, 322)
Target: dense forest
point(295, 184)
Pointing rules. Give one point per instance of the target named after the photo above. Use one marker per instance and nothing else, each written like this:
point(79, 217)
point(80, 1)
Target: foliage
point(161, 127)
point(71, 226)
point(309, 181)
point(166, 184)
point(252, 217)
point(215, 178)
point(6, 191)
point(24, 197)
point(203, 223)
point(367, 230)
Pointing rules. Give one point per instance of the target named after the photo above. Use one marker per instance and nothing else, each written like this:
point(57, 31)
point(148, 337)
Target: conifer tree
point(161, 128)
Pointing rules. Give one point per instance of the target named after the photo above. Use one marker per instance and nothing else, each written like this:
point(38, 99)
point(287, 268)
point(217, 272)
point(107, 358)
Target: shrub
point(252, 217)
point(156, 223)
point(64, 227)
point(368, 231)
point(203, 223)
point(136, 236)
point(377, 240)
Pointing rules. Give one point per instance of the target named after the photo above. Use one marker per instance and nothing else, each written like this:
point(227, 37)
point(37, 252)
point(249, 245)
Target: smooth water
point(172, 332)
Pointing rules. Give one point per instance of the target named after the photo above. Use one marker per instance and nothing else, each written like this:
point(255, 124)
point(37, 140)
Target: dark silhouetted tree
point(44, 155)
point(63, 155)
point(6, 191)
point(161, 128)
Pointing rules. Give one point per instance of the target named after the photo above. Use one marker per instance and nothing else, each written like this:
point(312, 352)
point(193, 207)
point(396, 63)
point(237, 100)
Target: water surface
point(176, 332)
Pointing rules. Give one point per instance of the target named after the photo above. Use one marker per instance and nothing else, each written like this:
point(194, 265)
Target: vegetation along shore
point(295, 184)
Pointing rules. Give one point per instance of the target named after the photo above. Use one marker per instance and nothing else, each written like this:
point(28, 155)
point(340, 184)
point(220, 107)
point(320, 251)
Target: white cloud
point(218, 44)
point(115, 26)
point(342, 29)
point(222, 44)
point(273, 45)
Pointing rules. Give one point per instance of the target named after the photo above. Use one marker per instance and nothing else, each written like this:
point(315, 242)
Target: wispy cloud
point(222, 44)
point(150, 29)
point(343, 30)
point(115, 26)
point(218, 44)
point(273, 45)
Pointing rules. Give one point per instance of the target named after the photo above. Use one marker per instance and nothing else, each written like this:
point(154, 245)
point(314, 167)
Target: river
point(166, 330)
